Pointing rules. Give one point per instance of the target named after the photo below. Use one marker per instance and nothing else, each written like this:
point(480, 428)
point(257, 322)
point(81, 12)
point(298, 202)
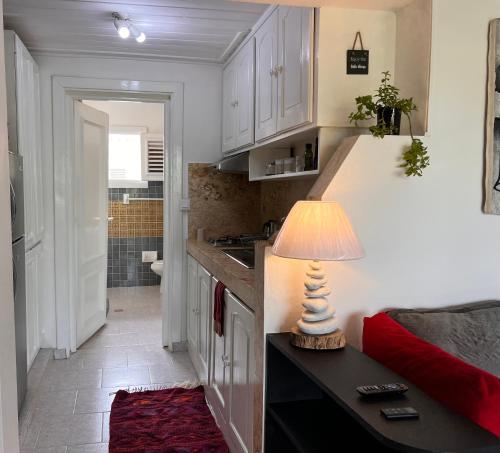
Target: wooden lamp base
point(334, 340)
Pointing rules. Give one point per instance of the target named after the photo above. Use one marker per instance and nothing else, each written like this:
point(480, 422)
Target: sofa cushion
point(464, 388)
point(470, 332)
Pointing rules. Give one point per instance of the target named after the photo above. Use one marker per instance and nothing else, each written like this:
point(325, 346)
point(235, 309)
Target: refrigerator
point(18, 259)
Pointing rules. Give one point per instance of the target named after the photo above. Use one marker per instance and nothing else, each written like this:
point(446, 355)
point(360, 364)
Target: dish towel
point(219, 308)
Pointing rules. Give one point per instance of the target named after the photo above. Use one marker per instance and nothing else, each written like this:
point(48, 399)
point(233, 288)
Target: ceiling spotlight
point(121, 25)
point(125, 28)
point(138, 35)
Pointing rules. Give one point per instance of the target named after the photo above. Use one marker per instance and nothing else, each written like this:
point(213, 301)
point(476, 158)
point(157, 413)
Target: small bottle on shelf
point(308, 157)
point(316, 154)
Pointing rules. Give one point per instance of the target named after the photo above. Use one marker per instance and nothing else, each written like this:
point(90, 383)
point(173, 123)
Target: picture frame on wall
point(492, 151)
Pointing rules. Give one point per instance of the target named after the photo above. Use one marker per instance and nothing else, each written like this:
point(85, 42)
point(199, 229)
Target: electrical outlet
point(149, 257)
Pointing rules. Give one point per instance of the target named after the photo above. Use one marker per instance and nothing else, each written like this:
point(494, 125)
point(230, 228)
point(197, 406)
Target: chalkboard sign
point(358, 60)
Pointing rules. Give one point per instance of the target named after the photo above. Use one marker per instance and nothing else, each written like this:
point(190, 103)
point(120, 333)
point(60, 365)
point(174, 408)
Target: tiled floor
point(68, 402)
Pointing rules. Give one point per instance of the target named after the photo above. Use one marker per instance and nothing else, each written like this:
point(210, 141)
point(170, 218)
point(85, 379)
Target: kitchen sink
point(243, 256)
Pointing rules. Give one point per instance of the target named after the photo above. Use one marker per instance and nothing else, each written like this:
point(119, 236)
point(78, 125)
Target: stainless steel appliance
point(18, 255)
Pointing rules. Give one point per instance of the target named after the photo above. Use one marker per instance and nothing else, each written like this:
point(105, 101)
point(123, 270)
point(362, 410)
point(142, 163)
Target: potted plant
point(387, 107)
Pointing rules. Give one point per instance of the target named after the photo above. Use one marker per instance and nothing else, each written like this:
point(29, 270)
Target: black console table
point(312, 406)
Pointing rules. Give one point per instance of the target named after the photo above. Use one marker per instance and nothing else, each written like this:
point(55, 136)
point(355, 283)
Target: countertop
point(237, 278)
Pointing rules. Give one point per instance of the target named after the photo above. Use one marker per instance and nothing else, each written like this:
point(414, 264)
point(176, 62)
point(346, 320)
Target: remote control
point(399, 413)
point(384, 389)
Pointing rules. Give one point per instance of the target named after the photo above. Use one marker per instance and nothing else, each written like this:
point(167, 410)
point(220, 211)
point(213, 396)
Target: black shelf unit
point(312, 407)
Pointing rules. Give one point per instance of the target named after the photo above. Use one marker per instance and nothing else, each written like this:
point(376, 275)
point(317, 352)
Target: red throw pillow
point(468, 390)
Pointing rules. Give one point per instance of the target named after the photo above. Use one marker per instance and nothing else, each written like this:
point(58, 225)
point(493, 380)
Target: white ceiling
point(198, 30)
point(355, 4)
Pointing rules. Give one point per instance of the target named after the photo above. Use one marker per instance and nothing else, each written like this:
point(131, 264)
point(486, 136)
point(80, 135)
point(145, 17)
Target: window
point(125, 157)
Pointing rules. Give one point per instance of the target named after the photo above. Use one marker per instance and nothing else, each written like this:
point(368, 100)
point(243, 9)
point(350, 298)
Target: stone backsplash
point(228, 204)
point(222, 203)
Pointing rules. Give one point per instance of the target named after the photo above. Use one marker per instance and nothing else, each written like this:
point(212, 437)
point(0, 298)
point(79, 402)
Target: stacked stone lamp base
point(317, 329)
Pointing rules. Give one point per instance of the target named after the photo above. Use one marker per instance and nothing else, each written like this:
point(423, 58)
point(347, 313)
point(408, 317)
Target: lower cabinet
point(230, 361)
point(199, 317)
point(240, 370)
point(33, 302)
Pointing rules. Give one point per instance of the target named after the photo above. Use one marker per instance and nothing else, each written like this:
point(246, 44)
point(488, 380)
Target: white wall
point(141, 114)
point(337, 30)
point(427, 241)
point(202, 130)
point(8, 388)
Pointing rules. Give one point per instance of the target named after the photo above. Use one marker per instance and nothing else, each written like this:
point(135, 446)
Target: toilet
point(157, 268)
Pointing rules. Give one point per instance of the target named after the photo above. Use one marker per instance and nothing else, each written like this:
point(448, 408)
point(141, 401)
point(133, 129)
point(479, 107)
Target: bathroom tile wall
point(134, 228)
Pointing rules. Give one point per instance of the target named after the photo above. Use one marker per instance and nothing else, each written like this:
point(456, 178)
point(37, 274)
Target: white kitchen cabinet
point(229, 360)
point(199, 317)
point(238, 100)
point(245, 93)
point(266, 81)
point(241, 372)
point(24, 130)
point(284, 71)
point(295, 64)
point(218, 370)
point(33, 265)
point(229, 107)
point(192, 306)
point(204, 324)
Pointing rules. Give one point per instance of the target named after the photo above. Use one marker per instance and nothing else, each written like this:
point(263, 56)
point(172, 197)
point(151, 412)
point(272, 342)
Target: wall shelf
point(329, 139)
point(286, 176)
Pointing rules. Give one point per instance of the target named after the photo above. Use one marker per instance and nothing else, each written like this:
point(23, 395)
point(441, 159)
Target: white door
point(295, 66)
point(245, 94)
point(229, 108)
point(266, 81)
point(192, 306)
point(241, 372)
point(32, 302)
point(204, 322)
point(91, 174)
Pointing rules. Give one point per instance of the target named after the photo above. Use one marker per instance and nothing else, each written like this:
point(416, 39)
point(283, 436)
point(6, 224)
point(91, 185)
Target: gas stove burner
point(243, 240)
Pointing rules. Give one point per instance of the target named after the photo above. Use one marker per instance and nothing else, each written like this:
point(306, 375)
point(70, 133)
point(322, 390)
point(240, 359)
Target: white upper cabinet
point(229, 108)
point(238, 99)
point(294, 70)
point(245, 92)
point(284, 71)
point(266, 81)
point(268, 85)
point(24, 130)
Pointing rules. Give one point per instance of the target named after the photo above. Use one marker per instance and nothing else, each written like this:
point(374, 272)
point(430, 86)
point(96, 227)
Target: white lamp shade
point(318, 230)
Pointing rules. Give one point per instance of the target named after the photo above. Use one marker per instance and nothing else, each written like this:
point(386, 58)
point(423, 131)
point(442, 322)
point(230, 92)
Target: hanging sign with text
point(358, 60)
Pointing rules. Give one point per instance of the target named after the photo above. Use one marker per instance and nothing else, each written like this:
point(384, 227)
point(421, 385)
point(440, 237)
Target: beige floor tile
point(118, 377)
point(85, 429)
point(93, 448)
point(105, 427)
point(94, 400)
point(67, 408)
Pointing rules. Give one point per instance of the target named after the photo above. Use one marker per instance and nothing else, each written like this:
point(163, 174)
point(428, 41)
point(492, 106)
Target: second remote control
point(383, 389)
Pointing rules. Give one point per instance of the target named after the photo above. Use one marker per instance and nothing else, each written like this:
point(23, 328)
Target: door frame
point(64, 91)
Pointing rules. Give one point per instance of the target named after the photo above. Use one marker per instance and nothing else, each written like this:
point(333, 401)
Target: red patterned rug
point(175, 420)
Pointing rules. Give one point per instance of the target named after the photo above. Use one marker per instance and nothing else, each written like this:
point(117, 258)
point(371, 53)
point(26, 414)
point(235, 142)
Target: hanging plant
point(387, 107)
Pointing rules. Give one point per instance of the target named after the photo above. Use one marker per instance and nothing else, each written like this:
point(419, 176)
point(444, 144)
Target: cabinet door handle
point(236, 103)
point(225, 360)
point(279, 70)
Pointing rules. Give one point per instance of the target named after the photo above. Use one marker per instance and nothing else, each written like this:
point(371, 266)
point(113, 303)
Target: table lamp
point(317, 231)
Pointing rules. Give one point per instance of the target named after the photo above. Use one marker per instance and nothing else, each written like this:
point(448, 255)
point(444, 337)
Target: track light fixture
point(125, 28)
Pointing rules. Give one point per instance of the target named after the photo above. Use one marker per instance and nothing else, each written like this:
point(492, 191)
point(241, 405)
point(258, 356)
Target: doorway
point(65, 91)
point(125, 246)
